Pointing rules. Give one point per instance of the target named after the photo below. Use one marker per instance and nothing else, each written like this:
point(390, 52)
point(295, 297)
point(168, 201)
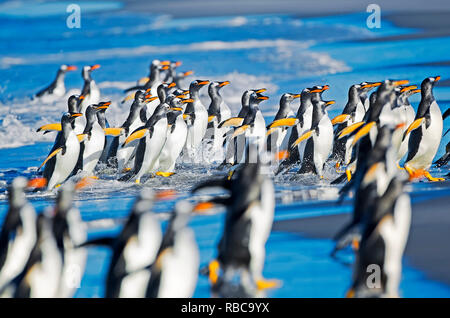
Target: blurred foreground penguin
point(41, 276)
point(133, 250)
point(248, 222)
point(175, 271)
point(69, 232)
point(378, 266)
point(18, 232)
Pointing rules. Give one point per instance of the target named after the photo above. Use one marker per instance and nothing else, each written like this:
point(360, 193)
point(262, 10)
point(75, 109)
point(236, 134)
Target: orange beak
point(95, 66)
point(188, 73)
point(203, 83)
point(224, 83)
point(71, 68)
point(178, 63)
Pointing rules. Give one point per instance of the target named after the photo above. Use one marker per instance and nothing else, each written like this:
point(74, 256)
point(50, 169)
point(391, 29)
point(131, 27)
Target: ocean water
point(280, 52)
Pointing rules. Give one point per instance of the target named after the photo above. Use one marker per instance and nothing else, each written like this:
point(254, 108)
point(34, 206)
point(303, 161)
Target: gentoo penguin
point(405, 114)
point(254, 129)
point(319, 138)
point(446, 157)
point(133, 250)
point(175, 270)
point(230, 153)
point(370, 182)
point(137, 117)
point(64, 155)
point(90, 91)
point(92, 140)
point(69, 232)
point(41, 276)
point(176, 137)
point(197, 119)
point(218, 111)
point(275, 134)
point(248, 222)
point(57, 88)
point(72, 107)
point(378, 265)
point(103, 122)
point(426, 133)
point(152, 139)
point(18, 232)
point(301, 125)
point(354, 111)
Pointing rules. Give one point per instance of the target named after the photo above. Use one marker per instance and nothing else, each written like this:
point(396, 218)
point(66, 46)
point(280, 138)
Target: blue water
point(280, 52)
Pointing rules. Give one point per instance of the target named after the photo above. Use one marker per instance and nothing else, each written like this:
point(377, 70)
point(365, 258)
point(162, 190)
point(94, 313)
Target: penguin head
point(428, 84)
point(67, 68)
point(197, 85)
point(72, 104)
point(318, 89)
point(16, 191)
point(144, 201)
point(177, 104)
point(366, 87)
point(161, 90)
point(287, 98)
point(87, 69)
point(91, 113)
point(68, 118)
point(257, 98)
point(214, 87)
point(181, 215)
point(245, 100)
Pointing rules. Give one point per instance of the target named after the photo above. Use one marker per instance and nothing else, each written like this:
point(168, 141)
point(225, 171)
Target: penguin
point(373, 177)
point(353, 112)
point(63, 157)
point(175, 270)
point(69, 232)
point(18, 232)
point(230, 152)
point(137, 117)
point(93, 140)
point(152, 140)
point(319, 138)
point(405, 114)
point(40, 278)
point(133, 250)
point(276, 135)
point(301, 125)
point(426, 133)
point(218, 111)
point(384, 236)
point(57, 88)
point(90, 91)
point(176, 137)
point(248, 222)
point(254, 129)
point(72, 107)
point(197, 118)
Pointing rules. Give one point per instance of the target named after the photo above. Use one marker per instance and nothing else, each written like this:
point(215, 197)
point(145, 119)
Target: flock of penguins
point(44, 254)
